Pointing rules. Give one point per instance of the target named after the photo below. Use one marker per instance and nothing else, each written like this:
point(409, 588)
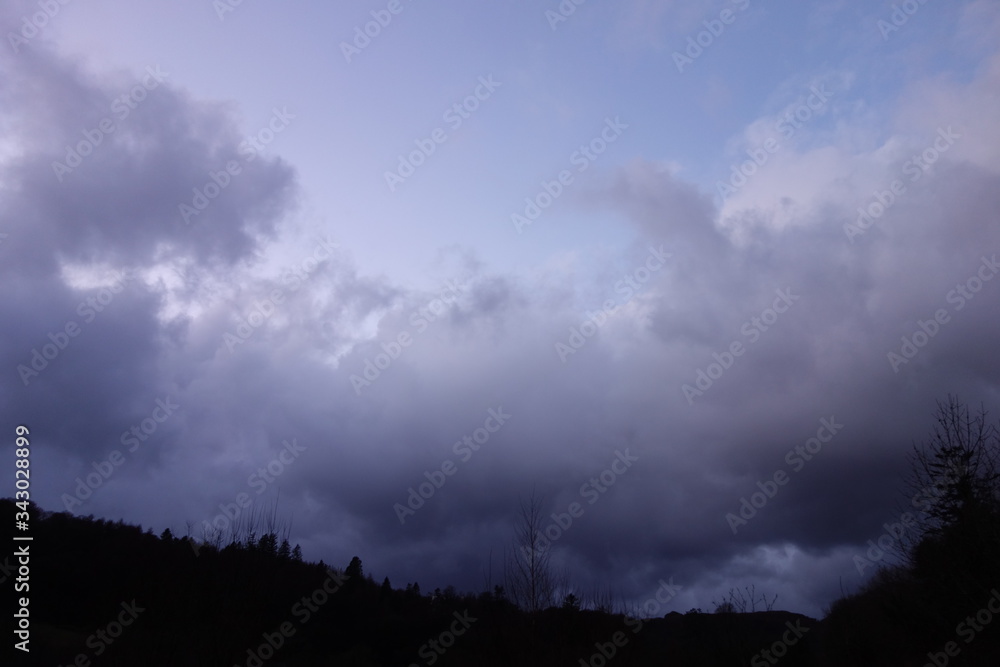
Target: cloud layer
point(706, 354)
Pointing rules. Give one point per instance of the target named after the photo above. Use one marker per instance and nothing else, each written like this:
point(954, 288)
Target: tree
point(739, 603)
point(527, 571)
point(604, 600)
point(955, 485)
point(571, 602)
point(268, 544)
point(354, 570)
point(955, 476)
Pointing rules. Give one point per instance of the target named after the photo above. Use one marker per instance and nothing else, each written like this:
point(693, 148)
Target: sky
point(695, 274)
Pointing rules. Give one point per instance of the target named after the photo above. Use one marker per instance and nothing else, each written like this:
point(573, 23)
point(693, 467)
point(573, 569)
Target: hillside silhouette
point(109, 593)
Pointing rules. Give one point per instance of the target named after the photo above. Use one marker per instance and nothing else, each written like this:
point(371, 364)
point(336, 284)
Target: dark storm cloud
point(106, 163)
point(272, 358)
point(87, 360)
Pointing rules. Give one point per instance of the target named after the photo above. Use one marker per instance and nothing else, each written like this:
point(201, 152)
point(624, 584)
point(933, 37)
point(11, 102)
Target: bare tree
point(955, 475)
point(255, 526)
point(527, 570)
point(739, 603)
point(604, 600)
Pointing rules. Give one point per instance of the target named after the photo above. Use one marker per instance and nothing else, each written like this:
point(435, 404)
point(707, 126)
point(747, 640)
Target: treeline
point(941, 604)
point(109, 593)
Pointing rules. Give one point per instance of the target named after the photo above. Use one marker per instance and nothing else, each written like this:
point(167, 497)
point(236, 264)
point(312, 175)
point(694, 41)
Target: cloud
point(115, 213)
point(256, 328)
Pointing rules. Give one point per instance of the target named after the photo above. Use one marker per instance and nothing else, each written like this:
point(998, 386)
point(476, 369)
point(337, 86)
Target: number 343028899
point(22, 473)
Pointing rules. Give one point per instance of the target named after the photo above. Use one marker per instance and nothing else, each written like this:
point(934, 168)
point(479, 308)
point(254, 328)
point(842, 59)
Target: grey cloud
point(494, 346)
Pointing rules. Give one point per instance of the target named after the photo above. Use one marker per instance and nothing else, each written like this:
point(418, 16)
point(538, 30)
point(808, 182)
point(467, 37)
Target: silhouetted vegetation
point(254, 601)
point(951, 568)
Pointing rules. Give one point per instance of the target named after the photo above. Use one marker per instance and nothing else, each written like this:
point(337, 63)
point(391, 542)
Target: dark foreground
point(107, 594)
